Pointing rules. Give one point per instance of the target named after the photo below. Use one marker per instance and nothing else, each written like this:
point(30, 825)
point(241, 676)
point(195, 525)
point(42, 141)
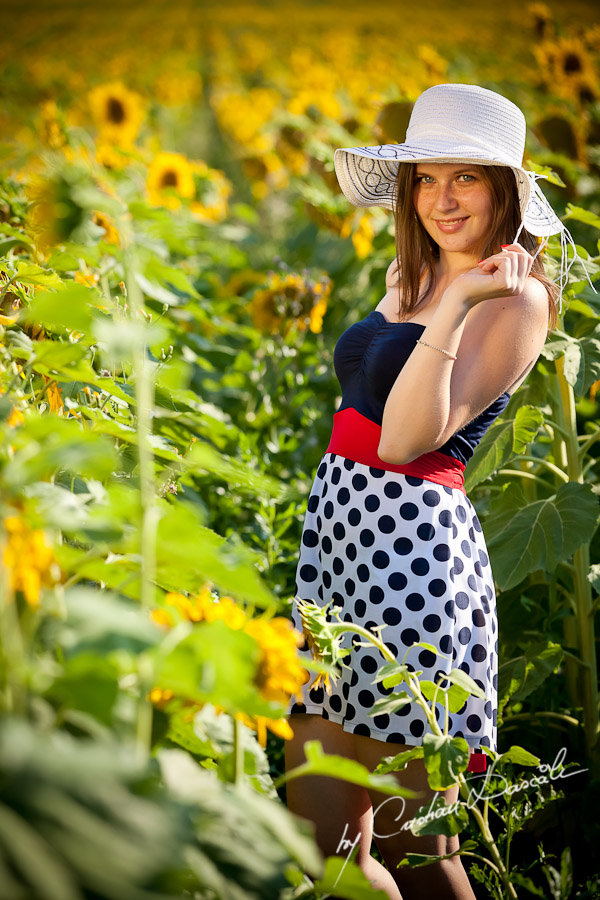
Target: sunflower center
point(116, 113)
point(572, 63)
point(169, 179)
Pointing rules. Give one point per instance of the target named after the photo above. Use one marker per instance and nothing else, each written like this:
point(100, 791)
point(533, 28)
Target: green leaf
point(581, 357)
point(451, 819)
point(551, 176)
point(399, 762)
point(392, 674)
point(35, 859)
point(582, 215)
point(189, 554)
point(344, 879)
point(460, 677)
point(520, 757)
point(505, 439)
point(346, 769)
point(30, 273)
point(524, 537)
point(72, 307)
point(392, 703)
point(519, 677)
point(89, 683)
point(445, 758)
point(203, 457)
point(119, 339)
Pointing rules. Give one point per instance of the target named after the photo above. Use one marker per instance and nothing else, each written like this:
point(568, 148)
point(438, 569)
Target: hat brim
point(368, 175)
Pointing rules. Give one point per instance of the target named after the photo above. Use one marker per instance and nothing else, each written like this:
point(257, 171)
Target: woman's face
point(454, 205)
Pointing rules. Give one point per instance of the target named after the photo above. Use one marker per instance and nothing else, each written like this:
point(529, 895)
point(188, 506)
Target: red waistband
point(356, 437)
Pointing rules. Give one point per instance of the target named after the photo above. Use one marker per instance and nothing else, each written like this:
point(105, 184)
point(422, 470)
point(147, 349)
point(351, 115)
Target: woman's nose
point(445, 198)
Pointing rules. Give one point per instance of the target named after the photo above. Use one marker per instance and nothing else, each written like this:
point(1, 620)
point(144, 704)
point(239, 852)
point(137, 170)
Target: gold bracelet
point(433, 347)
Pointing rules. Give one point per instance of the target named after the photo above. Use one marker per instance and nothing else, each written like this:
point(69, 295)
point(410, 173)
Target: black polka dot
point(392, 616)
point(415, 602)
point(473, 723)
point(409, 511)
point(386, 524)
point(464, 635)
point(432, 623)
point(339, 532)
point(354, 517)
point(416, 727)
point(410, 636)
point(359, 482)
point(426, 659)
point(403, 546)
point(310, 538)
point(420, 566)
point(372, 503)
point(308, 573)
point(478, 652)
point(437, 587)
point(380, 559)
point(397, 581)
point(431, 498)
point(367, 538)
point(392, 490)
point(441, 552)
point(462, 600)
point(426, 531)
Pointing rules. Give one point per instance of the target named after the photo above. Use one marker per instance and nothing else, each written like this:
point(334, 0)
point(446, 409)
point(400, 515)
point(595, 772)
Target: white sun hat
point(455, 123)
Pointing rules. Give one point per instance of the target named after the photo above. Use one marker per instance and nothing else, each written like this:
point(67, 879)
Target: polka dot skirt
point(400, 551)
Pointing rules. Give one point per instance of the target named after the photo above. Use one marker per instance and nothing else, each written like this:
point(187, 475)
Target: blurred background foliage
point(176, 264)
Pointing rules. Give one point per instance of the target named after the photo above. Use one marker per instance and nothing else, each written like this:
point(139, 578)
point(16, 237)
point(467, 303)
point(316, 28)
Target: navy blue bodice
point(367, 359)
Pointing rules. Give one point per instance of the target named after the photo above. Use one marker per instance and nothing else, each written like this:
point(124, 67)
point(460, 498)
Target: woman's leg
point(445, 880)
point(341, 812)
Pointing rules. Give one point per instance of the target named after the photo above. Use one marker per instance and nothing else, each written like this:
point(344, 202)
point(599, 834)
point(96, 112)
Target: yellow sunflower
point(117, 112)
point(541, 19)
point(212, 190)
point(50, 127)
point(28, 559)
point(279, 671)
point(170, 178)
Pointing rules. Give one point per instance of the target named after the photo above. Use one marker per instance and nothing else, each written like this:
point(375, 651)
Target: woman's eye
point(429, 179)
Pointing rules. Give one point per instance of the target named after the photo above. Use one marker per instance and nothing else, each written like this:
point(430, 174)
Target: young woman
point(389, 532)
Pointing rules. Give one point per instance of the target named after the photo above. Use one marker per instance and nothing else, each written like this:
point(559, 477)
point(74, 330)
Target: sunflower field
point(177, 261)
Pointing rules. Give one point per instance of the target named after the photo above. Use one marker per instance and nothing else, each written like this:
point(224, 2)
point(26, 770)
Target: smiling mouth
point(451, 221)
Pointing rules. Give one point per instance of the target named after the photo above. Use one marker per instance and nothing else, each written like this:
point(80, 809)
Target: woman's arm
point(494, 319)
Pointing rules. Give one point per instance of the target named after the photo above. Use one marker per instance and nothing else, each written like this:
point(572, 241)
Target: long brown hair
point(418, 251)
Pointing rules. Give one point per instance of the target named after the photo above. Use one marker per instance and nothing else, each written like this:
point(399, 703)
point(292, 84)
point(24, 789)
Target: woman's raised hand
point(502, 275)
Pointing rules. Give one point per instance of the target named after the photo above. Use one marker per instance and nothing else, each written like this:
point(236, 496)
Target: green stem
point(238, 751)
point(571, 720)
point(413, 683)
point(588, 443)
point(588, 678)
point(546, 462)
point(528, 476)
point(144, 400)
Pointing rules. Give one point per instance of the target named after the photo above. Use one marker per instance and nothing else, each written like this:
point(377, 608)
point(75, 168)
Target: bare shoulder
point(528, 311)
